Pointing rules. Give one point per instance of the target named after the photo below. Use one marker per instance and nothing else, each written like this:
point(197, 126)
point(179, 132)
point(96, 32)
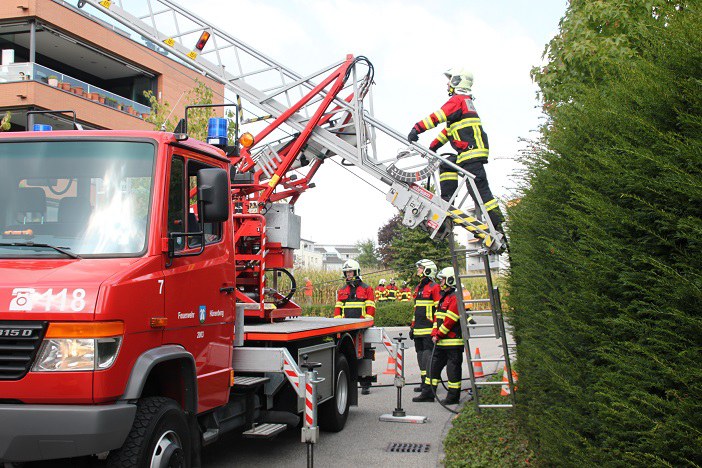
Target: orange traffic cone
point(390, 369)
point(505, 382)
point(478, 366)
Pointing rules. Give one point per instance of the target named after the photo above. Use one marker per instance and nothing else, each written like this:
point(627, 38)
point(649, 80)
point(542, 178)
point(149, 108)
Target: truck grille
point(19, 342)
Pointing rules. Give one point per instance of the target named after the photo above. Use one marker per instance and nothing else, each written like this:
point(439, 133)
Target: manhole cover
point(407, 447)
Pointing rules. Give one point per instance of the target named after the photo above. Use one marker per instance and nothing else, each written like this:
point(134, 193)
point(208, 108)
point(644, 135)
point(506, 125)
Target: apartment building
point(56, 56)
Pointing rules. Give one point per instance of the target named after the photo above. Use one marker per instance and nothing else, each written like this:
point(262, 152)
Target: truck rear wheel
point(159, 437)
point(333, 413)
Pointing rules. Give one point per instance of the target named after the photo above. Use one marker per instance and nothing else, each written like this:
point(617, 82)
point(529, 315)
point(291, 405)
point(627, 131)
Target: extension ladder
point(347, 129)
point(495, 329)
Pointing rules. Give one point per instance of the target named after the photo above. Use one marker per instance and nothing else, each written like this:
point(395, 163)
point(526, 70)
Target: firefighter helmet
point(429, 267)
point(449, 275)
point(381, 282)
point(351, 265)
point(460, 81)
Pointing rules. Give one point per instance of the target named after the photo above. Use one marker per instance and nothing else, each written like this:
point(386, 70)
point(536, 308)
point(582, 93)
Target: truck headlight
point(63, 350)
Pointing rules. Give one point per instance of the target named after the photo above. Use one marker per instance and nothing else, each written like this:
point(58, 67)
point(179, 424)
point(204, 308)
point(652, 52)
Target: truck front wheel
point(333, 413)
point(159, 437)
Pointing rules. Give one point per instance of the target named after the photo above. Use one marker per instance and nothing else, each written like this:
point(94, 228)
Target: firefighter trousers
point(477, 168)
point(450, 357)
point(423, 345)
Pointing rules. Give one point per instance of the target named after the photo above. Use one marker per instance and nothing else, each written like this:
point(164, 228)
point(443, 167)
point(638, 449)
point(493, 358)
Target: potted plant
point(78, 90)
point(53, 81)
point(101, 99)
point(65, 86)
point(120, 106)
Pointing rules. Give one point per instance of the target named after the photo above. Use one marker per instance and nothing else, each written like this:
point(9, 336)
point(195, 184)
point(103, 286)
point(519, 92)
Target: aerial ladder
point(302, 121)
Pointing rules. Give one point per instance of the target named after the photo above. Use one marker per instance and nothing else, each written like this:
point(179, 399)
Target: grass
point(489, 439)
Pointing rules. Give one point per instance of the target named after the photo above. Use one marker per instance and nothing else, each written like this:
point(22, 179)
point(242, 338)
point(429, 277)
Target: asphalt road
point(365, 439)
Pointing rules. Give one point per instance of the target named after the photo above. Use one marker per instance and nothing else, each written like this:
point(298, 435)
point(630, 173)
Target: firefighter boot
point(427, 395)
point(452, 397)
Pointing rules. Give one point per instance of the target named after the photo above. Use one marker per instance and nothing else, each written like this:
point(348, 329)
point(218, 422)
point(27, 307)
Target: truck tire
point(159, 437)
point(333, 413)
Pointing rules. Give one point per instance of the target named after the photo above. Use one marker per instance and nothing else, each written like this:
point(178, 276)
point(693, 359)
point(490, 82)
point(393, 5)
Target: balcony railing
point(34, 72)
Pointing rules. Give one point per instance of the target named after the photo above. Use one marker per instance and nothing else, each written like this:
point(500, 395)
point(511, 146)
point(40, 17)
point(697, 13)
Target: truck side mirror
point(213, 194)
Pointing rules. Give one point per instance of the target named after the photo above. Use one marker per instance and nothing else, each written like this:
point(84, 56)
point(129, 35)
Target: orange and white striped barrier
point(505, 382)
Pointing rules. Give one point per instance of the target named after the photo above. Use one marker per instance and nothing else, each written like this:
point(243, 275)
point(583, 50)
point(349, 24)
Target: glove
point(413, 135)
point(471, 320)
point(411, 334)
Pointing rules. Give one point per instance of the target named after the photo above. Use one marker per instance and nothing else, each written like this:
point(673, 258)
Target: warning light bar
point(204, 37)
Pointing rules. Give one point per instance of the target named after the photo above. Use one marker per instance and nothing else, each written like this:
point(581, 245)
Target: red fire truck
point(118, 313)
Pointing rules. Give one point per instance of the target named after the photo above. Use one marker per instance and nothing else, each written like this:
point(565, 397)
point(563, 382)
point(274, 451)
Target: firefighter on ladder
point(426, 296)
point(355, 300)
point(447, 337)
point(465, 132)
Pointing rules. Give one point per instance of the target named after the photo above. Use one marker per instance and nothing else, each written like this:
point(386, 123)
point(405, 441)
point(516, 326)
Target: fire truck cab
point(118, 306)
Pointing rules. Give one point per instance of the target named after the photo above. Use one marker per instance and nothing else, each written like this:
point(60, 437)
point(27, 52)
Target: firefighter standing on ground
point(380, 292)
point(355, 299)
point(447, 335)
point(391, 291)
point(405, 293)
point(465, 132)
point(426, 296)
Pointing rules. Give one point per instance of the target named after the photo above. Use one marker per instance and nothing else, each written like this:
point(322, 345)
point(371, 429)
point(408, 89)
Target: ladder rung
point(476, 301)
point(472, 276)
point(494, 384)
point(476, 337)
point(488, 360)
point(479, 312)
point(482, 325)
point(496, 406)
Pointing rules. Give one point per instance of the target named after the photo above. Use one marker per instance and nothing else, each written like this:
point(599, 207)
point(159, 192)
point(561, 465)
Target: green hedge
point(387, 314)
point(606, 280)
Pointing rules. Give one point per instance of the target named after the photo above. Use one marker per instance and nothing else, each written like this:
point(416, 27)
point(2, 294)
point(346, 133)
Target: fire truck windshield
point(85, 197)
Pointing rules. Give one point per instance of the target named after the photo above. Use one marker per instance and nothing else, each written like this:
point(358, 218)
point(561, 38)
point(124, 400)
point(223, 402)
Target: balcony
point(18, 72)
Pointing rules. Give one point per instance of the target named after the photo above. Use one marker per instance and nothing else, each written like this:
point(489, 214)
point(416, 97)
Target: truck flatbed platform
point(299, 328)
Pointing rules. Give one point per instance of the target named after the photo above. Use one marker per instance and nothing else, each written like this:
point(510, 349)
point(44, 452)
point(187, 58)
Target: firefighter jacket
point(355, 300)
point(391, 293)
point(426, 296)
point(381, 294)
point(405, 294)
point(463, 129)
point(447, 325)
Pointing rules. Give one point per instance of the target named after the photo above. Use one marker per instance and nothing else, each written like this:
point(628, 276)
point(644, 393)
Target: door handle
point(227, 289)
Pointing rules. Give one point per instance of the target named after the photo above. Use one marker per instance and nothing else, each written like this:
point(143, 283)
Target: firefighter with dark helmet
point(465, 132)
point(391, 291)
point(426, 296)
point(447, 336)
point(355, 299)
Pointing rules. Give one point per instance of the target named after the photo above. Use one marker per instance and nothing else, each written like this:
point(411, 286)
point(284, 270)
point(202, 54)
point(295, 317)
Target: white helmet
point(460, 80)
point(429, 267)
point(382, 281)
point(449, 275)
point(351, 265)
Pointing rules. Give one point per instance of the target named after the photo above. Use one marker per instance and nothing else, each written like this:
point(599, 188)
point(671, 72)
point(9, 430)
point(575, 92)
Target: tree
point(606, 272)
point(5, 123)
point(198, 119)
point(595, 38)
point(368, 257)
point(401, 247)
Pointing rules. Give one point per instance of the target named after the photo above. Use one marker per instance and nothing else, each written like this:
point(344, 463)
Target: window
point(184, 217)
